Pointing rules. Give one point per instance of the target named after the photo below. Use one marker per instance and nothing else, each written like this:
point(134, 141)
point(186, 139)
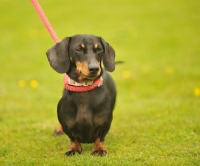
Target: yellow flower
point(197, 91)
point(34, 83)
point(21, 83)
point(126, 74)
point(169, 70)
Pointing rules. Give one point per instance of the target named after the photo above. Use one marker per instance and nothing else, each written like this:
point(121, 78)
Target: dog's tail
point(119, 62)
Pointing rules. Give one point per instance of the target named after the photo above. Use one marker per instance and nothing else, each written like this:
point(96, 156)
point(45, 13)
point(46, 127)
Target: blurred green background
point(157, 115)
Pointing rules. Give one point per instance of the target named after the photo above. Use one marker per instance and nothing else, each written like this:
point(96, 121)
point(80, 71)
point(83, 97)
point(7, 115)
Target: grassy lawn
point(157, 115)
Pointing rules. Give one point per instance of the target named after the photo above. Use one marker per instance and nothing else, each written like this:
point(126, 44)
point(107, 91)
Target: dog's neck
point(72, 85)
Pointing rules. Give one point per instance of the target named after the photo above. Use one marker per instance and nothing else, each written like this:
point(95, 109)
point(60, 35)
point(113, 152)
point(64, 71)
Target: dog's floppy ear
point(58, 56)
point(108, 56)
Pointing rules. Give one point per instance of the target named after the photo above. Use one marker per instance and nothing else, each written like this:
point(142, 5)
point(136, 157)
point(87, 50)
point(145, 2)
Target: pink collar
point(71, 85)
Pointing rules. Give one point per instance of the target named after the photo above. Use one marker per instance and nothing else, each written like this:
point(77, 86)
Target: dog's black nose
point(93, 69)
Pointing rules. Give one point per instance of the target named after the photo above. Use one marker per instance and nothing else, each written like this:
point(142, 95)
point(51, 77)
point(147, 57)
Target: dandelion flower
point(21, 83)
point(197, 91)
point(126, 74)
point(34, 84)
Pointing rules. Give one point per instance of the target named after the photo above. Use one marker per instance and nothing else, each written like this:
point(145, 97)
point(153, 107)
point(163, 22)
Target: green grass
point(157, 115)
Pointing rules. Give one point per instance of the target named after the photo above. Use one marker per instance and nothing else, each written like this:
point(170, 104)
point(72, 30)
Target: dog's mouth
point(90, 76)
point(87, 73)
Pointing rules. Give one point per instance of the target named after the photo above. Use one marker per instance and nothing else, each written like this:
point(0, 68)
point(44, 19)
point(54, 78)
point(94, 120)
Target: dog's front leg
point(75, 147)
point(99, 148)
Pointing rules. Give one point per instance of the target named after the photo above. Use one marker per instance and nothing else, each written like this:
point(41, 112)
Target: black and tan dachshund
point(86, 107)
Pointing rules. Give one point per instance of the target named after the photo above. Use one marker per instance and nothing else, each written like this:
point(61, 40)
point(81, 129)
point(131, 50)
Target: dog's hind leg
point(75, 147)
point(99, 148)
point(58, 131)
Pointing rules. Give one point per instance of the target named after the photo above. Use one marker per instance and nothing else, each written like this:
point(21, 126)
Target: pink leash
point(45, 21)
point(48, 26)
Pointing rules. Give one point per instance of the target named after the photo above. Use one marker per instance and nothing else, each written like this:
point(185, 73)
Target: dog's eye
point(98, 49)
point(79, 49)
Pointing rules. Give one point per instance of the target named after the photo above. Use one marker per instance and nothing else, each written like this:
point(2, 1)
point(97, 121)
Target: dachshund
point(85, 110)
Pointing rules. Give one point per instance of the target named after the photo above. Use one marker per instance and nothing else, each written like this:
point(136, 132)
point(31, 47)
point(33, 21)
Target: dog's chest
point(87, 106)
point(85, 112)
point(90, 98)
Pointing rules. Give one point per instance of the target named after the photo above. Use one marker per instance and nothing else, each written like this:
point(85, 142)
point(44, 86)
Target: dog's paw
point(71, 153)
point(57, 133)
point(99, 153)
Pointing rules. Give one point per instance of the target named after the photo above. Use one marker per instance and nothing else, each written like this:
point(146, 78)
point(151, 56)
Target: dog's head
point(80, 57)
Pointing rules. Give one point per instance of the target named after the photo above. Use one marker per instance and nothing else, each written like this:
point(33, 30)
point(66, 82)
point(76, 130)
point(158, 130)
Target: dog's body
point(85, 116)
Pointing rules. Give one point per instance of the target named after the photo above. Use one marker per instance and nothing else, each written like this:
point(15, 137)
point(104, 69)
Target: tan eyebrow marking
point(82, 45)
point(96, 45)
